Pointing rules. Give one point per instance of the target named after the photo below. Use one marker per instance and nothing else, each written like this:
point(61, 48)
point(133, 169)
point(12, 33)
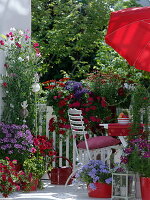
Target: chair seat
point(99, 142)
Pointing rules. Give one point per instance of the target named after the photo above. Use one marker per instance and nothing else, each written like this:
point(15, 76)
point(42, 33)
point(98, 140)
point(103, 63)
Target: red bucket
point(59, 175)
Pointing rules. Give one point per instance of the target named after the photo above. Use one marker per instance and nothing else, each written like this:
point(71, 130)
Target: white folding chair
point(89, 148)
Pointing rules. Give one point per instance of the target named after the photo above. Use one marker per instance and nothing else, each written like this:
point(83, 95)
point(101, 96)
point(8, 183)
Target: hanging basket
point(59, 175)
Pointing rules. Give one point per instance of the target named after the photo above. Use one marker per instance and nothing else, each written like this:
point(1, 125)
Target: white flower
point(12, 29)
point(20, 59)
point(28, 58)
point(21, 32)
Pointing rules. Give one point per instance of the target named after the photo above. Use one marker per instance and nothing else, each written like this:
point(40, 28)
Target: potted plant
point(33, 169)
point(137, 159)
point(9, 179)
point(98, 178)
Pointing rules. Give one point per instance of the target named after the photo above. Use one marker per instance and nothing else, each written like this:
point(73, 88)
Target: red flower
point(4, 84)
point(121, 91)
point(62, 132)
point(76, 104)
point(93, 118)
point(62, 103)
point(52, 153)
point(90, 99)
point(3, 177)
point(93, 107)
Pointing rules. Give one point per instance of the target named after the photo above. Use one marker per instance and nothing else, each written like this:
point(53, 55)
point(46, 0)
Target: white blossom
point(20, 59)
point(12, 29)
point(28, 58)
point(20, 32)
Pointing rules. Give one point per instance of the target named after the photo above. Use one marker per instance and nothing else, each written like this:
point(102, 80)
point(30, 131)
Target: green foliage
point(136, 156)
point(35, 166)
point(140, 106)
point(109, 61)
point(121, 4)
point(69, 31)
point(112, 87)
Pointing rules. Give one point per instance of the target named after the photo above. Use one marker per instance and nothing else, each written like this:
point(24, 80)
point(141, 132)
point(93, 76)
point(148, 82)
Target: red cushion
point(99, 142)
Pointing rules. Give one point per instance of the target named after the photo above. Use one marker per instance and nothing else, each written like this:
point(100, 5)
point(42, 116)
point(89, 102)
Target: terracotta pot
point(145, 188)
point(103, 190)
point(32, 186)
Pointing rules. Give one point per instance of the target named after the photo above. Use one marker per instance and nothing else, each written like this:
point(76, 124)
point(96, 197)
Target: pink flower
point(27, 37)
point(36, 44)
point(2, 42)
point(33, 150)
point(55, 97)
point(17, 187)
point(38, 55)
point(11, 34)
point(18, 45)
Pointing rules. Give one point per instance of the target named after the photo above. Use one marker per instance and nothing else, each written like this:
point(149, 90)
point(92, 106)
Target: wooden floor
point(52, 192)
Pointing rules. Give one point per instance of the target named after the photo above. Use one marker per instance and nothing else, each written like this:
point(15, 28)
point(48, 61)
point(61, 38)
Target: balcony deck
point(52, 192)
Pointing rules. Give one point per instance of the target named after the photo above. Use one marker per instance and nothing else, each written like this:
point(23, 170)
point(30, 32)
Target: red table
point(116, 129)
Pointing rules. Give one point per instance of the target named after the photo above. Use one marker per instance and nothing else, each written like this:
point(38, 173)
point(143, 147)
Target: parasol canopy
point(128, 33)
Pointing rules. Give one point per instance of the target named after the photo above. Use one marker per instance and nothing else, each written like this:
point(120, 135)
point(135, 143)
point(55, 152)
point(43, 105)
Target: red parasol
point(129, 34)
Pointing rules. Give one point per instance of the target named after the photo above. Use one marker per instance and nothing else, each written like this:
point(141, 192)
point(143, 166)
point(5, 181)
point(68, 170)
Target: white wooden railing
point(44, 115)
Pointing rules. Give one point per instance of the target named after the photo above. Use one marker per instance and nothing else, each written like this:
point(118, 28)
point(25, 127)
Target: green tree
point(69, 31)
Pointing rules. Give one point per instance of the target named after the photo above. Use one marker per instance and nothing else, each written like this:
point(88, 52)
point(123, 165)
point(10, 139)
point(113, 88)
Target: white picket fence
point(45, 114)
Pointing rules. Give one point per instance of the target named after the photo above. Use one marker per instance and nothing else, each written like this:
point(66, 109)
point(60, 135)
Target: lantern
point(123, 186)
point(36, 87)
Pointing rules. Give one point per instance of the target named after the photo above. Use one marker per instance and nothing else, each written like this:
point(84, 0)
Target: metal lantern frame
point(125, 190)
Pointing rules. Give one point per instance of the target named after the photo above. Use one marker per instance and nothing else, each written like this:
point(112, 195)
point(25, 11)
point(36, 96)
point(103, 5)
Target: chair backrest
point(76, 121)
point(78, 128)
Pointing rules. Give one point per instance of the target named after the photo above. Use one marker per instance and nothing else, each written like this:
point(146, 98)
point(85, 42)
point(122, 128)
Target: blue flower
point(108, 180)
point(92, 186)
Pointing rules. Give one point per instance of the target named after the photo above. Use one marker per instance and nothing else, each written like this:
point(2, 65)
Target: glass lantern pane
point(131, 185)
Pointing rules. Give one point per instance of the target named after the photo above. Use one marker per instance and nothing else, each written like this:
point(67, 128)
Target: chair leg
point(71, 175)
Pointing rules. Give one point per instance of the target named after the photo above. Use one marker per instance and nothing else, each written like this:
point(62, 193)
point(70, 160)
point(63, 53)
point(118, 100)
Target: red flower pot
point(145, 188)
point(32, 186)
point(103, 190)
